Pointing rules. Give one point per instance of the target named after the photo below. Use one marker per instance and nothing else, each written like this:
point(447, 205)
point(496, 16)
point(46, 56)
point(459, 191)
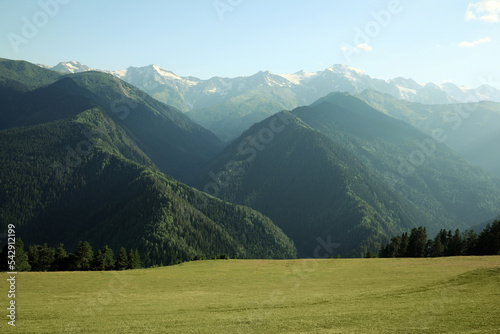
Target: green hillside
point(25, 74)
point(310, 187)
point(75, 164)
point(445, 188)
point(57, 186)
point(471, 129)
point(336, 171)
point(177, 145)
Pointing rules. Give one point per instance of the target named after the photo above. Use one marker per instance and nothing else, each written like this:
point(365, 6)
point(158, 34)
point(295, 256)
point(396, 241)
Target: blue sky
point(430, 41)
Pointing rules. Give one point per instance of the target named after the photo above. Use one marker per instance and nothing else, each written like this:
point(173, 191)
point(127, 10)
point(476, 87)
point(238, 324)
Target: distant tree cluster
point(446, 243)
point(44, 258)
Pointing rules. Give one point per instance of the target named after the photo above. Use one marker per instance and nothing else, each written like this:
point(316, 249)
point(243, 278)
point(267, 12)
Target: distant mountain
point(161, 84)
point(72, 169)
point(342, 169)
point(228, 106)
point(446, 188)
point(177, 145)
point(69, 67)
point(471, 129)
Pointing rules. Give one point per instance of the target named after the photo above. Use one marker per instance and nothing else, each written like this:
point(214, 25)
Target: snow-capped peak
point(71, 66)
point(341, 68)
point(298, 77)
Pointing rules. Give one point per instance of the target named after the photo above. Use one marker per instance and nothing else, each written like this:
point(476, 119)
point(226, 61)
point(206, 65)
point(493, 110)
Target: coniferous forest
point(445, 243)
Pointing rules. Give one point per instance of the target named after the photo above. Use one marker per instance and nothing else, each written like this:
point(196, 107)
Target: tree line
point(446, 243)
point(44, 258)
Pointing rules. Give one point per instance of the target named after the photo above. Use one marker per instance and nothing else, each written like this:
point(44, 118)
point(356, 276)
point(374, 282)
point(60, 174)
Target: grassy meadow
point(438, 295)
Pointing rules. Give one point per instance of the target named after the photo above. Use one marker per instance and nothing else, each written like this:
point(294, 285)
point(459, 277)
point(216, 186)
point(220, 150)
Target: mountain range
point(471, 129)
point(228, 106)
point(333, 170)
point(81, 158)
point(92, 155)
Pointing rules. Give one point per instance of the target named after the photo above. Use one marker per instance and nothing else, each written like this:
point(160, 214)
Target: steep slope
point(52, 102)
point(18, 77)
point(310, 187)
point(27, 74)
point(471, 129)
point(447, 189)
point(228, 106)
point(163, 85)
point(177, 145)
point(83, 178)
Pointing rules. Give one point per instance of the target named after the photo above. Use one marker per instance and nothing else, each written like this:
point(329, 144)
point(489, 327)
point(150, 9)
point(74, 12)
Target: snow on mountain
point(70, 67)
point(298, 77)
point(187, 93)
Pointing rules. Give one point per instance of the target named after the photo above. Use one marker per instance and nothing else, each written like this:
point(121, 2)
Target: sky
point(429, 41)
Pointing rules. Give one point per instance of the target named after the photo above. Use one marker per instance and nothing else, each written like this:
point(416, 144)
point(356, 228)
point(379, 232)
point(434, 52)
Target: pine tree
point(60, 259)
point(489, 239)
point(134, 260)
point(417, 242)
point(97, 262)
point(41, 257)
point(108, 258)
point(403, 245)
point(34, 257)
point(122, 260)
point(370, 255)
point(470, 242)
point(21, 257)
point(455, 244)
point(84, 256)
point(3, 258)
point(437, 248)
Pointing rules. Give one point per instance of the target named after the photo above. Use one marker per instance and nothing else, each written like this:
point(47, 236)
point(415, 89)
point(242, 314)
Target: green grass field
point(442, 295)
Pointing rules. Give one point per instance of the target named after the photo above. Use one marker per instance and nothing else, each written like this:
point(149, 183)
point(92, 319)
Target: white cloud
point(364, 47)
point(358, 48)
point(483, 10)
point(466, 44)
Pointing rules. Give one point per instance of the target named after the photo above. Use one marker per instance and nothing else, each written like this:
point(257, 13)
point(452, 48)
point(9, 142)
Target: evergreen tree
point(61, 258)
point(3, 258)
point(469, 243)
point(417, 242)
point(104, 259)
point(134, 260)
point(22, 263)
point(428, 246)
point(41, 257)
point(33, 257)
point(392, 249)
point(489, 240)
point(108, 258)
point(437, 248)
point(98, 261)
point(403, 245)
point(72, 262)
point(122, 260)
point(370, 255)
point(84, 256)
point(455, 244)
